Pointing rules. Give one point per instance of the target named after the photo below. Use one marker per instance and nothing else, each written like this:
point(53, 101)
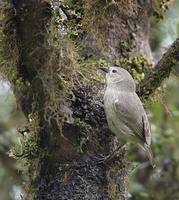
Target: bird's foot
point(102, 159)
point(109, 157)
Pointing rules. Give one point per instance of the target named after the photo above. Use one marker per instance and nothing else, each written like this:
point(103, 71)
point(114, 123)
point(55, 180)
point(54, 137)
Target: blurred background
point(10, 120)
point(145, 184)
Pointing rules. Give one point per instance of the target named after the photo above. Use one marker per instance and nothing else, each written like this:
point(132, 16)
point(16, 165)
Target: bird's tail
point(149, 154)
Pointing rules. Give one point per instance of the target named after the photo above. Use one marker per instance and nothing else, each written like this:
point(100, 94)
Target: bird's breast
point(113, 122)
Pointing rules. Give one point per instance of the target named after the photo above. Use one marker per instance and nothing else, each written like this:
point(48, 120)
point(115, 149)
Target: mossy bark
point(160, 72)
point(58, 88)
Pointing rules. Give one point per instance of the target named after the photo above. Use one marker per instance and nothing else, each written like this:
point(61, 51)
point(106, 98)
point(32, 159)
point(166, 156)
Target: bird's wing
point(129, 109)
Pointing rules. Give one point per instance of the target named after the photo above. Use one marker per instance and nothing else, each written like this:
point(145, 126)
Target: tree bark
point(161, 71)
point(50, 53)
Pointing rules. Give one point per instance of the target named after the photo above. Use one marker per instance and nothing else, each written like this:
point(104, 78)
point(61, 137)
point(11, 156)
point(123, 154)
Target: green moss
point(126, 47)
point(8, 44)
point(9, 52)
point(28, 147)
point(159, 7)
point(52, 82)
point(74, 5)
point(31, 148)
point(83, 138)
point(97, 16)
point(138, 66)
point(89, 72)
point(56, 74)
point(41, 75)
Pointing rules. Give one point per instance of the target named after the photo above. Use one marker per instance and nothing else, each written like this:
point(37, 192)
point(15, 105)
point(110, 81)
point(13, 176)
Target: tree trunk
point(50, 54)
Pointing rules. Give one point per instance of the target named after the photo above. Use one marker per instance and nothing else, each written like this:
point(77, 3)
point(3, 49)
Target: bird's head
point(119, 78)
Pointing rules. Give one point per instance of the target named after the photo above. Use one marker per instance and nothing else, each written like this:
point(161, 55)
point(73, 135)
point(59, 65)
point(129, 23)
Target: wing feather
point(129, 109)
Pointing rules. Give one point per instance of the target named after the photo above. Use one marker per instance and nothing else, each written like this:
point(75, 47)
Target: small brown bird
point(125, 113)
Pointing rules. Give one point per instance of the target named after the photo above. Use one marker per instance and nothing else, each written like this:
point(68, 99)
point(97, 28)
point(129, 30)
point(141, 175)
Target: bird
point(125, 114)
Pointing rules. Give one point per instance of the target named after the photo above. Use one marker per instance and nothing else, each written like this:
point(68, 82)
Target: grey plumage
point(125, 114)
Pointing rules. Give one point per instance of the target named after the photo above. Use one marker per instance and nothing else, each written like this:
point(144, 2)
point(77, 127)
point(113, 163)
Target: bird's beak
point(106, 70)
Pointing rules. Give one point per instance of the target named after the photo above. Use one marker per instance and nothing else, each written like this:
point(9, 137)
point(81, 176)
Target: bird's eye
point(114, 71)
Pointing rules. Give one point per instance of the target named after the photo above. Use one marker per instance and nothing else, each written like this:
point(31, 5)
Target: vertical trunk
point(58, 88)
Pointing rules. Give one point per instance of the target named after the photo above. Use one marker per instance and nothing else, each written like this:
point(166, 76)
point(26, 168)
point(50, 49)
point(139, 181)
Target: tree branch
point(161, 71)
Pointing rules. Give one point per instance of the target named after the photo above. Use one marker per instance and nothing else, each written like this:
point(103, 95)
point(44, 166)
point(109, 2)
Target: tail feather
point(149, 154)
